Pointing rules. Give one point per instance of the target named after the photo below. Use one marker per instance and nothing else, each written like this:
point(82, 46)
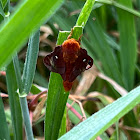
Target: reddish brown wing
point(54, 61)
point(82, 63)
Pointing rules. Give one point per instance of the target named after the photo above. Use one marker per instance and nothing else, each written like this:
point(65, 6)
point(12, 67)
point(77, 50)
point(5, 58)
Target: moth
point(69, 60)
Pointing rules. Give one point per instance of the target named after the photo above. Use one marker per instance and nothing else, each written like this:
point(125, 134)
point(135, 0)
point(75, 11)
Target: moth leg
point(81, 107)
point(69, 36)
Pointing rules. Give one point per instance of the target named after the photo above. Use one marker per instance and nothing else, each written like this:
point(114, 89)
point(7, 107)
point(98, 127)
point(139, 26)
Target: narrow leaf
point(30, 62)
point(1, 13)
point(14, 101)
point(100, 121)
point(121, 6)
point(4, 132)
point(26, 118)
point(26, 18)
point(101, 48)
point(56, 102)
point(84, 15)
point(57, 97)
point(128, 49)
point(17, 72)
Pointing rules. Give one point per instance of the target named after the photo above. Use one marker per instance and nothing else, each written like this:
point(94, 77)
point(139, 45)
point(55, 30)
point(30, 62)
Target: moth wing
point(82, 63)
point(54, 61)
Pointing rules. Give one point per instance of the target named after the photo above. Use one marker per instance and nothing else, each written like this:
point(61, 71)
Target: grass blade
point(102, 49)
point(18, 72)
point(57, 97)
point(121, 6)
point(26, 118)
point(30, 62)
point(63, 127)
point(56, 102)
point(28, 75)
point(1, 13)
point(84, 15)
point(19, 28)
point(96, 125)
point(14, 102)
point(128, 49)
point(4, 132)
point(128, 54)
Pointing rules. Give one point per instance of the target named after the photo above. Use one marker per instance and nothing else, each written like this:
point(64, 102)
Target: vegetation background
point(112, 38)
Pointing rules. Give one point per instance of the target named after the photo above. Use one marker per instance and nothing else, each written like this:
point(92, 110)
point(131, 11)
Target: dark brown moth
point(69, 60)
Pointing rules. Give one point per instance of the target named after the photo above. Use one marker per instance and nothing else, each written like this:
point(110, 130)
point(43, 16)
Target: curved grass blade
point(26, 18)
point(120, 6)
point(84, 15)
point(100, 121)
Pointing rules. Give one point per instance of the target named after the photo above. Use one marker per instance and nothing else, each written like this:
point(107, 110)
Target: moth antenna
point(69, 36)
point(79, 40)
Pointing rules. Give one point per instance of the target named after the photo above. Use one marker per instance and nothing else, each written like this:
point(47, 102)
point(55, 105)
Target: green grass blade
point(4, 2)
point(6, 8)
point(30, 62)
point(112, 43)
point(4, 132)
point(102, 49)
point(28, 75)
point(84, 15)
point(14, 102)
point(100, 121)
point(40, 80)
point(1, 13)
point(128, 43)
point(26, 18)
point(26, 118)
point(57, 97)
point(18, 72)
point(56, 102)
point(63, 127)
point(121, 6)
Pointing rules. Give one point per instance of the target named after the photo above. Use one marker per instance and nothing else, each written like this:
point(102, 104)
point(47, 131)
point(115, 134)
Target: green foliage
point(16, 31)
point(1, 13)
point(114, 55)
point(100, 121)
point(128, 52)
point(84, 14)
point(30, 63)
point(103, 50)
point(121, 6)
point(57, 97)
point(4, 132)
point(14, 102)
point(56, 102)
point(22, 22)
